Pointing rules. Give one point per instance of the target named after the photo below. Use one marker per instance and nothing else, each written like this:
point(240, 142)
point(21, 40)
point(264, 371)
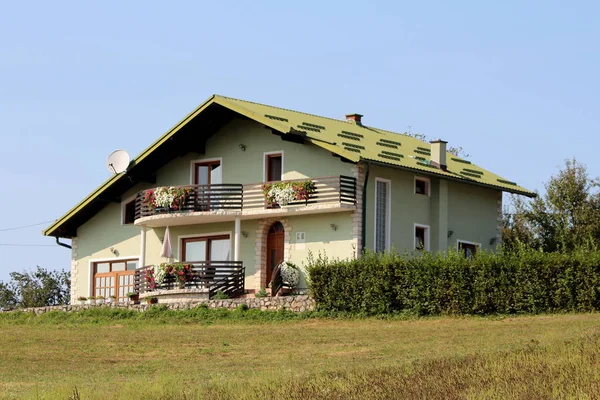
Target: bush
point(525, 281)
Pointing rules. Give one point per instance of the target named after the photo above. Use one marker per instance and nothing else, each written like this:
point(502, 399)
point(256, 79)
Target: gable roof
point(346, 139)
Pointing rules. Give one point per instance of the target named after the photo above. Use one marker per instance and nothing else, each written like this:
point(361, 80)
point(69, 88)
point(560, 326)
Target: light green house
point(373, 189)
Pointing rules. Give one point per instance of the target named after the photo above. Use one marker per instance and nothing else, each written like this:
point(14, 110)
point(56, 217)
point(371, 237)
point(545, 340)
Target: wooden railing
point(332, 189)
point(226, 276)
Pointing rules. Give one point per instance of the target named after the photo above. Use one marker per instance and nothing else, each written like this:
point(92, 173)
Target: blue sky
point(515, 83)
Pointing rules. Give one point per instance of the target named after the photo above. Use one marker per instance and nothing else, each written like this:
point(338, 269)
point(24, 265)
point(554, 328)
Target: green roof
point(347, 139)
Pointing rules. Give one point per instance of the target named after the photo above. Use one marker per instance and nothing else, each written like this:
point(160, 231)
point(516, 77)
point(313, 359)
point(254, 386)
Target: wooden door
point(274, 249)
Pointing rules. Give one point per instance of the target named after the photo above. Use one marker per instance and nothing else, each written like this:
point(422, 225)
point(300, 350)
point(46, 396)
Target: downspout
point(364, 210)
point(62, 244)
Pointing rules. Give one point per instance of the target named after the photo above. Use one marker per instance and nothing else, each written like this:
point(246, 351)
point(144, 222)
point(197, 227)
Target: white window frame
point(388, 214)
point(201, 160)
point(268, 153)
point(200, 235)
point(427, 188)
point(123, 203)
point(100, 260)
point(426, 245)
point(459, 241)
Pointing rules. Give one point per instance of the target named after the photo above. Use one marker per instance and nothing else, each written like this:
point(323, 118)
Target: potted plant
point(133, 297)
point(81, 300)
point(111, 299)
point(165, 199)
point(151, 300)
point(99, 299)
point(91, 300)
point(283, 193)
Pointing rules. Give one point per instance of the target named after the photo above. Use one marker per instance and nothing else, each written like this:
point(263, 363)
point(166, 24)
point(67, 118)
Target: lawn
point(214, 356)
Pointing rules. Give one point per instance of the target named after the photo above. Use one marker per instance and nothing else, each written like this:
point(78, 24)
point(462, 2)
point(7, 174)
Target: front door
point(274, 249)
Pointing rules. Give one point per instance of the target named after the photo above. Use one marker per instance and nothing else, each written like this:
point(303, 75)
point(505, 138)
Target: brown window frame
point(206, 239)
point(268, 176)
point(111, 274)
point(126, 213)
point(206, 164)
point(463, 246)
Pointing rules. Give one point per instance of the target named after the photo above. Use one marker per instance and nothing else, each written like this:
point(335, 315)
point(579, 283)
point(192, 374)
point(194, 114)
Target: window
point(421, 237)
point(382, 214)
point(469, 249)
point(210, 248)
point(129, 212)
point(422, 186)
point(114, 278)
point(207, 172)
point(273, 167)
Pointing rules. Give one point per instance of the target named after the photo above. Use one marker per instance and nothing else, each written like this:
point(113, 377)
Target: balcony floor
point(206, 217)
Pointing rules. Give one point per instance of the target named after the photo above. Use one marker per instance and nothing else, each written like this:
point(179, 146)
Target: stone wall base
point(291, 303)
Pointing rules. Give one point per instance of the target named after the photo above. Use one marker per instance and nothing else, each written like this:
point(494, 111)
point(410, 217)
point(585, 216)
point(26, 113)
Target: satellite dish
point(118, 161)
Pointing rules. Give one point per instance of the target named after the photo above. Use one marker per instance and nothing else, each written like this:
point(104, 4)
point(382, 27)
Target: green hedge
point(527, 281)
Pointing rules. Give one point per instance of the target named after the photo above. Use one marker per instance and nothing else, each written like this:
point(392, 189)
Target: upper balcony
point(200, 204)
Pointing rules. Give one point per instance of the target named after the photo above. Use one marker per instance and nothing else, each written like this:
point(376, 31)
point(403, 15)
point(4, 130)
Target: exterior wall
point(470, 213)
point(299, 160)
point(473, 214)
point(407, 208)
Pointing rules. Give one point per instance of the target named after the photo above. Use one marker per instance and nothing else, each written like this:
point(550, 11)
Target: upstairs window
point(129, 212)
point(382, 214)
point(421, 237)
point(422, 186)
point(207, 172)
point(273, 167)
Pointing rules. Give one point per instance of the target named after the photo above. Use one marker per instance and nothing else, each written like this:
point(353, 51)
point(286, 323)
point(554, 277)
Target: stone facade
point(357, 215)
point(260, 277)
point(291, 303)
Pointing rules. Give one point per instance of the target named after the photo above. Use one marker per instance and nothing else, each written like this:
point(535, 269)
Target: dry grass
point(526, 357)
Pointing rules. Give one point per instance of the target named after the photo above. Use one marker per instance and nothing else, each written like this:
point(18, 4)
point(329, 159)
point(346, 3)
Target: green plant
point(132, 295)
point(112, 296)
point(282, 193)
point(526, 281)
point(152, 300)
point(261, 293)
point(99, 297)
point(220, 295)
point(91, 298)
point(82, 298)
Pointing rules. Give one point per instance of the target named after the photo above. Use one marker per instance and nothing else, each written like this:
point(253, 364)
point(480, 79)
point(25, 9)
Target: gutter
point(58, 242)
point(363, 233)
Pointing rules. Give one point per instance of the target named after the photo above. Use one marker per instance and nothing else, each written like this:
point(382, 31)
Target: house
point(356, 188)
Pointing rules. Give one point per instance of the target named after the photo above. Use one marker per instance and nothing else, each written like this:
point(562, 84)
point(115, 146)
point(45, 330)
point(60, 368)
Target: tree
point(565, 218)
point(35, 289)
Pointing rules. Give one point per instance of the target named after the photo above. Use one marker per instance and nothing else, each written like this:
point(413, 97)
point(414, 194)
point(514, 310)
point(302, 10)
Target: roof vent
point(356, 118)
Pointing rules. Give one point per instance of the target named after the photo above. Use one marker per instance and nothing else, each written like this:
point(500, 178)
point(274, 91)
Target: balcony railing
point(238, 197)
point(225, 276)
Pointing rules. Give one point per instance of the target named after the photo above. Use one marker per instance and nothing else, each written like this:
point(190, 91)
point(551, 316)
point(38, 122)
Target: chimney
point(356, 118)
point(438, 153)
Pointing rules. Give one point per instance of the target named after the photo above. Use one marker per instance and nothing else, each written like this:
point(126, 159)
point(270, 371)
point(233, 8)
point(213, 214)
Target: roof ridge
point(320, 116)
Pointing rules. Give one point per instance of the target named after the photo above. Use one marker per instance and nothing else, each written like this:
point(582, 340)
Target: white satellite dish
point(118, 161)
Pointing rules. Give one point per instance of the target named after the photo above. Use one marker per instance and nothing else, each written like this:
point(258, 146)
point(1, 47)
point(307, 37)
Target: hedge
point(526, 281)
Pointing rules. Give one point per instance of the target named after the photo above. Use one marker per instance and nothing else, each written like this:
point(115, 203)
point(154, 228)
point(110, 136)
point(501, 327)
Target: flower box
point(285, 193)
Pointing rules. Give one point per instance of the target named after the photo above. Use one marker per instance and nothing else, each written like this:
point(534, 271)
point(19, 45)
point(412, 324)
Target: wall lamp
point(244, 234)
point(333, 227)
point(242, 147)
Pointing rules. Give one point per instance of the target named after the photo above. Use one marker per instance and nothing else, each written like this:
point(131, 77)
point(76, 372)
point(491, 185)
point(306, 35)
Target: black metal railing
point(226, 276)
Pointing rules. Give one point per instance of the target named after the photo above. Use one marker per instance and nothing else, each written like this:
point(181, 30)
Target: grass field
point(250, 355)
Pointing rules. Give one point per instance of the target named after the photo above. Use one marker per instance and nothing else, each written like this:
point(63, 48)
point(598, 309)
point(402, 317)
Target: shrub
point(220, 295)
point(526, 281)
point(261, 293)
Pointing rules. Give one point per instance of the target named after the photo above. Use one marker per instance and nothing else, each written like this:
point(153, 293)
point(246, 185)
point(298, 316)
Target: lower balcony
point(201, 280)
point(197, 204)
